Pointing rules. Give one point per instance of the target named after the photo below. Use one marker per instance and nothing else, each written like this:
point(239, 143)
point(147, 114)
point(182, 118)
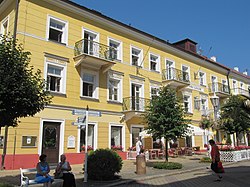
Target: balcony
point(175, 78)
point(221, 90)
point(240, 91)
point(94, 55)
point(134, 106)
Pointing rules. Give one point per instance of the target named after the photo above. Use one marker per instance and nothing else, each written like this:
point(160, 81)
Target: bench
point(25, 181)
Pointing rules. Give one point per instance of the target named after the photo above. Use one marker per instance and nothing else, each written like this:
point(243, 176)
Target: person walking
point(215, 156)
point(138, 146)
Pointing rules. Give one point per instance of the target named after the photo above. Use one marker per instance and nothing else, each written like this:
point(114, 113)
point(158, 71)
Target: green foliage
point(206, 123)
point(103, 164)
point(229, 141)
point(22, 89)
point(5, 185)
point(165, 115)
point(167, 165)
point(235, 116)
point(205, 159)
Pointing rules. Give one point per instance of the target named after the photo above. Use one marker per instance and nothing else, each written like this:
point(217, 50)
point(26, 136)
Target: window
point(90, 45)
point(116, 51)
point(214, 84)
point(89, 84)
point(91, 137)
point(137, 102)
point(116, 136)
point(185, 73)
point(170, 72)
point(203, 104)
point(196, 103)
point(135, 131)
point(4, 26)
point(114, 90)
point(154, 62)
point(202, 78)
point(55, 75)
point(235, 86)
point(136, 56)
point(57, 30)
point(187, 103)
point(154, 91)
point(224, 86)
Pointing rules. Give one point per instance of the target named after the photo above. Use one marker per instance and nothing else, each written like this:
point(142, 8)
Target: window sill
point(114, 102)
point(155, 71)
point(189, 113)
point(89, 98)
point(53, 41)
point(58, 94)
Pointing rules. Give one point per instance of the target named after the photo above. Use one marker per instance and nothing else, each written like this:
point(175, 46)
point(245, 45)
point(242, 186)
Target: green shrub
point(167, 165)
point(103, 164)
point(205, 159)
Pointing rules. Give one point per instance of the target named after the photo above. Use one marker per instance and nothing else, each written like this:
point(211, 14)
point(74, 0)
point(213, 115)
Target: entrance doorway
point(50, 141)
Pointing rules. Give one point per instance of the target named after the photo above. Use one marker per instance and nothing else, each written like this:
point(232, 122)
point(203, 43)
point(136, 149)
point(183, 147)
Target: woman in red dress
point(215, 155)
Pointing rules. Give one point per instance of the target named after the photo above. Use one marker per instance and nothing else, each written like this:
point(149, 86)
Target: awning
point(197, 131)
point(144, 134)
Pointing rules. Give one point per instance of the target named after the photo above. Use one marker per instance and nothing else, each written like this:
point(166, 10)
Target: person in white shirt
point(138, 146)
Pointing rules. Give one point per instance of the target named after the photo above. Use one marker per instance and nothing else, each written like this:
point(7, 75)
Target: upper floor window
point(202, 79)
point(90, 45)
point(187, 103)
point(115, 90)
point(185, 73)
point(136, 56)
point(154, 62)
point(4, 26)
point(56, 76)
point(154, 91)
point(116, 49)
point(89, 84)
point(234, 85)
point(58, 30)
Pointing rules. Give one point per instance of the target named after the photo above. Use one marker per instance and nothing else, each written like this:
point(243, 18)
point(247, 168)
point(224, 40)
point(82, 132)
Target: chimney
point(245, 72)
point(213, 58)
point(187, 45)
point(236, 68)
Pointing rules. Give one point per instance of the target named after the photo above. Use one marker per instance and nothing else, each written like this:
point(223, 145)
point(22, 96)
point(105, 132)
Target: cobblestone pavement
point(193, 173)
point(236, 175)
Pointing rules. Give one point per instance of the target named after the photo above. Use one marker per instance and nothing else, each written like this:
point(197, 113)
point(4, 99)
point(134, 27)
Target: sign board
point(83, 112)
point(78, 124)
point(71, 142)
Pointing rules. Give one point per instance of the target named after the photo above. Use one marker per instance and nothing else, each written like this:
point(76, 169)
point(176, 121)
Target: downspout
point(15, 21)
point(228, 81)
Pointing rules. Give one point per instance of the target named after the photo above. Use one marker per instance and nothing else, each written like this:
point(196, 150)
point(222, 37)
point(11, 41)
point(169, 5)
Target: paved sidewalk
point(190, 163)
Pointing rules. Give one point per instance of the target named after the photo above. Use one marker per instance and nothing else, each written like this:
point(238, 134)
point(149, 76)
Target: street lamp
point(215, 103)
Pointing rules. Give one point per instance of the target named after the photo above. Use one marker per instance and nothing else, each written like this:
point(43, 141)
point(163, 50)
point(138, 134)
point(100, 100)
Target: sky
point(220, 27)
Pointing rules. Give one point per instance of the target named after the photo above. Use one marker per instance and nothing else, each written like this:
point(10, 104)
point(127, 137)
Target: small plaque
point(71, 142)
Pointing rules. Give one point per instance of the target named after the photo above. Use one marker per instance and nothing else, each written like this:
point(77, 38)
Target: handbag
point(220, 167)
point(58, 175)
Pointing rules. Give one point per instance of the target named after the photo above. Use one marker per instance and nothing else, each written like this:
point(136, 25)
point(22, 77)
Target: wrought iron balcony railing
point(218, 87)
point(175, 74)
point(241, 92)
point(135, 103)
point(95, 49)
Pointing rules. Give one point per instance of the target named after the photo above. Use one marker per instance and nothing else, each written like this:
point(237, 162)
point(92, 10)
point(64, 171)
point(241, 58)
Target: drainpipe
point(15, 21)
point(228, 81)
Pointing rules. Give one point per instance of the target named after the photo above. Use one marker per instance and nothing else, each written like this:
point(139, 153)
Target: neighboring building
point(92, 60)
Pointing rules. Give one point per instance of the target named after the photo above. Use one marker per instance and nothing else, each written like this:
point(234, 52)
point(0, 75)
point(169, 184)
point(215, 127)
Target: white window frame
point(119, 94)
point(140, 56)
point(188, 70)
point(95, 85)
point(95, 136)
point(206, 105)
point(235, 87)
point(63, 74)
point(204, 78)
point(3, 22)
point(141, 84)
point(64, 31)
point(190, 107)
point(215, 83)
point(130, 135)
point(158, 60)
point(123, 134)
point(119, 49)
point(154, 87)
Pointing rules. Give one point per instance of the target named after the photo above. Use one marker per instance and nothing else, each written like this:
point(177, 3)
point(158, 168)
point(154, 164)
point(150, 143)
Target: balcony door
point(170, 70)
point(136, 100)
point(214, 84)
point(90, 46)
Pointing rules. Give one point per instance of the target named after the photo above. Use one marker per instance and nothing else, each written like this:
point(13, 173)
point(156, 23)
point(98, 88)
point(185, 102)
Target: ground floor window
point(135, 133)
point(116, 136)
point(91, 137)
point(189, 141)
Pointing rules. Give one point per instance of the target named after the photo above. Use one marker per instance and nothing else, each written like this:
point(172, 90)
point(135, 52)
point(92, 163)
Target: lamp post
point(215, 103)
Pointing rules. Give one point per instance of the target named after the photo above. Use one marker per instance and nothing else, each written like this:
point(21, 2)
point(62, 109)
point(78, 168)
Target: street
point(236, 175)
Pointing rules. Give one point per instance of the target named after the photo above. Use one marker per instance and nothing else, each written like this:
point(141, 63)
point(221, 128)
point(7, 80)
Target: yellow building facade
point(92, 60)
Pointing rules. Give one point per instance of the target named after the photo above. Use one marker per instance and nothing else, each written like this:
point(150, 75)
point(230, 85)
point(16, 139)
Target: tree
point(235, 116)
point(206, 123)
point(22, 90)
point(165, 116)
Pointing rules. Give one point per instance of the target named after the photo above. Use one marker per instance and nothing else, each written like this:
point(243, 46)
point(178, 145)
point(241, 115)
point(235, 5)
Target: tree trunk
point(4, 146)
point(237, 138)
point(166, 153)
